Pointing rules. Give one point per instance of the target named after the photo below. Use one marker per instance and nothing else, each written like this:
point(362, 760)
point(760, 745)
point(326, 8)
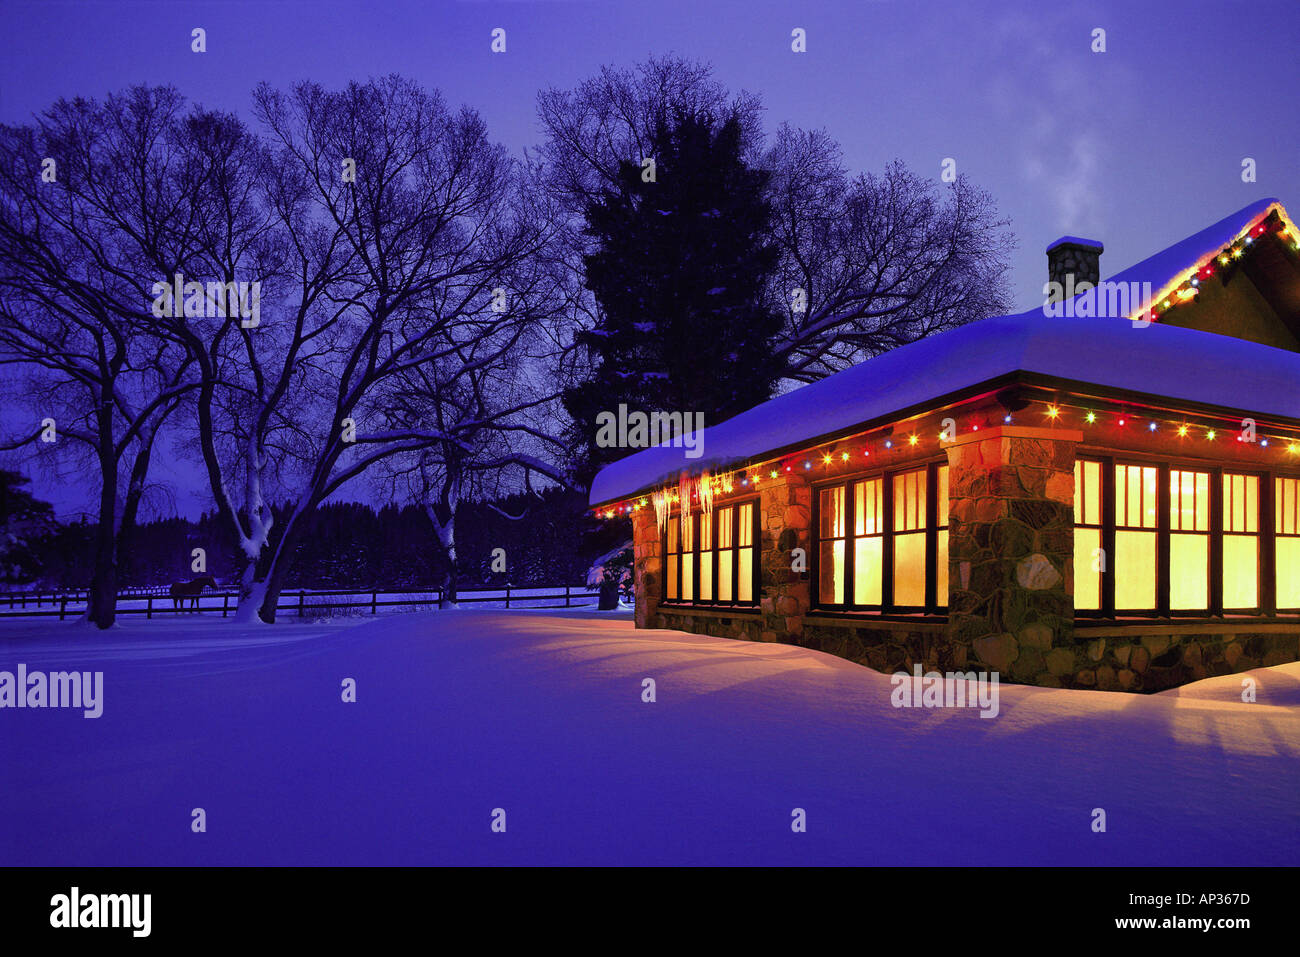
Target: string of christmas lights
point(1186, 286)
point(753, 475)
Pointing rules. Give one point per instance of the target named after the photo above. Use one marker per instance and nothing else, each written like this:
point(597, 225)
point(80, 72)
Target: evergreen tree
point(23, 519)
point(679, 266)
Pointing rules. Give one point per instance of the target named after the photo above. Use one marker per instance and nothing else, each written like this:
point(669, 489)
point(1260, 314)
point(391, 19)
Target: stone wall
point(1011, 547)
point(785, 595)
point(647, 568)
point(1158, 661)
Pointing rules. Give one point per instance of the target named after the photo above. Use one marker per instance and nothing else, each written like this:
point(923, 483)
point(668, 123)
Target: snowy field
point(540, 714)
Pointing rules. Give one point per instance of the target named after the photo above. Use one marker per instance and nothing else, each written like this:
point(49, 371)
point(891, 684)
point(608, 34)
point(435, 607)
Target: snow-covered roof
point(1167, 268)
point(1156, 359)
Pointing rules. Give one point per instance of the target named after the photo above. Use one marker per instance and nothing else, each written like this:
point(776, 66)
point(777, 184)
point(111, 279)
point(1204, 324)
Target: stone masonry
point(1011, 547)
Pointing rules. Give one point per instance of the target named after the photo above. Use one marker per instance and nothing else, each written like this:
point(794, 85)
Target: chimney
point(1069, 257)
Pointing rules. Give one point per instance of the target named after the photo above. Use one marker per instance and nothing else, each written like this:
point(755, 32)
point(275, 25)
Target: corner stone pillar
point(647, 567)
point(1011, 547)
point(785, 506)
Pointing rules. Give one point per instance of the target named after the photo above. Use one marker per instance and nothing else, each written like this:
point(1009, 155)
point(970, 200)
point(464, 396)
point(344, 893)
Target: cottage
point(1076, 496)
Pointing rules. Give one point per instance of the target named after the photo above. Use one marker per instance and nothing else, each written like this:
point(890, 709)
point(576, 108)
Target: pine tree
point(678, 269)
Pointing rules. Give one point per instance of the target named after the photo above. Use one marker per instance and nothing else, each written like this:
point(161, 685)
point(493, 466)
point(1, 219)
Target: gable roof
point(1158, 359)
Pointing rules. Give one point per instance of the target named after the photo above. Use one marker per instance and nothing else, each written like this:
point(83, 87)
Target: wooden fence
point(157, 601)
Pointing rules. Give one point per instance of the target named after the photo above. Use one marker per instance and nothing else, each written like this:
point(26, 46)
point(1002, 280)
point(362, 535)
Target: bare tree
point(870, 263)
point(92, 201)
point(430, 228)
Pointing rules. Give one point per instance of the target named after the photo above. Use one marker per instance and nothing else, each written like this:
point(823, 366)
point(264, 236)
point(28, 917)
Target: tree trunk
point(126, 533)
point(102, 601)
point(281, 558)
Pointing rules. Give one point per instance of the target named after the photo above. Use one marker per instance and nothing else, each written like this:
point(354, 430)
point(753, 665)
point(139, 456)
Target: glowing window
point(830, 559)
point(745, 554)
point(673, 555)
point(1286, 519)
point(1189, 540)
point(706, 558)
point(868, 541)
point(1135, 546)
point(1087, 536)
point(1240, 542)
point(909, 538)
point(941, 536)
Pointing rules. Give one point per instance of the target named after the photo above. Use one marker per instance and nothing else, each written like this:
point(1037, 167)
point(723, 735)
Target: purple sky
point(1138, 146)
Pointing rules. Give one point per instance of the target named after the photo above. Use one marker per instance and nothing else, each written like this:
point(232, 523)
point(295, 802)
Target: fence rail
point(157, 601)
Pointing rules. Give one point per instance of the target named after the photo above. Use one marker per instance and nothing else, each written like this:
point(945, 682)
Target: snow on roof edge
point(741, 438)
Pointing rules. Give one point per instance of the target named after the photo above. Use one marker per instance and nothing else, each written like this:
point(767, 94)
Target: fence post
point(507, 594)
point(149, 611)
point(566, 596)
point(374, 601)
point(300, 597)
point(63, 608)
point(225, 604)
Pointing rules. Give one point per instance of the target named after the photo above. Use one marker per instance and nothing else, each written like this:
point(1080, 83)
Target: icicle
point(684, 494)
point(662, 505)
point(706, 493)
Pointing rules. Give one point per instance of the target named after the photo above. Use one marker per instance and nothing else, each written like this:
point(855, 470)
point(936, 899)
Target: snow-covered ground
point(541, 714)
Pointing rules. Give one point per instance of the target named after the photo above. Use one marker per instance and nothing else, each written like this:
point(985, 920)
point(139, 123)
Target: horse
point(191, 590)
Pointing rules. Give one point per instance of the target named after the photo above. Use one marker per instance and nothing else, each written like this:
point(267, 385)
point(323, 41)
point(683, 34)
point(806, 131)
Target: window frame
point(697, 517)
point(887, 606)
point(1265, 523)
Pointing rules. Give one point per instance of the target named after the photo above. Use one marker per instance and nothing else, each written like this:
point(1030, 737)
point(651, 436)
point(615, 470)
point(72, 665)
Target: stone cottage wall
point(1011, 547)
point(1011, 586)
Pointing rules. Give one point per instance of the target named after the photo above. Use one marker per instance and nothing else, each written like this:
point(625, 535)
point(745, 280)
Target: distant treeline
point(352, 545)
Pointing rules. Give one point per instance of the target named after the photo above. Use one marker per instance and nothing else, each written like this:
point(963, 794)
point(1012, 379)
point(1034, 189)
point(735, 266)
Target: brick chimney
point(1072, 256)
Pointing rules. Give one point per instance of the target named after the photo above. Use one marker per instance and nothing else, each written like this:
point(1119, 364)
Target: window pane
point(868, 554)
point(1087, 583)
point(830, 573)
point(1241, 503)
point(688, 535)
point(1092, 493)
point(672, 534)
point(909, 569)
point(688, 578)
point(724, 574)
point(1135, 496)
point(909, 501)
point(866, 507)
point(671, 578)
point(941, 572)
point(1240, 571)
point(1286, 513)
point(941, 493)
point(706, 531)
point(1189, 571)
point(706, 576)
point(832, 512)
point(724, 527)
point(1288, 573)
point(746, 525)
point(1135, 570)
point(745, 588)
